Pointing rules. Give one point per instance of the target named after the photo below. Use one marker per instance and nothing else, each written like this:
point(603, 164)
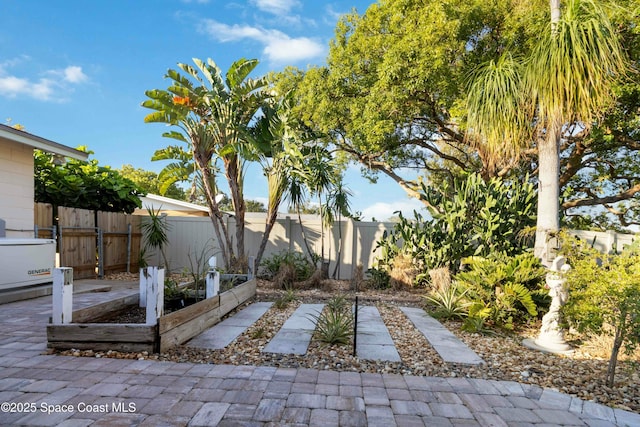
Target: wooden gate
point(78, 241)
point(119, 236)
point(111, 245)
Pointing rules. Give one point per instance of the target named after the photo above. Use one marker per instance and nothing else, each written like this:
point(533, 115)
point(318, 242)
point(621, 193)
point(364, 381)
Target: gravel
point(581, 374)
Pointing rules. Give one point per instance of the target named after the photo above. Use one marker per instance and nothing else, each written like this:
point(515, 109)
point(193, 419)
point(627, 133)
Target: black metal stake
point(355, 326)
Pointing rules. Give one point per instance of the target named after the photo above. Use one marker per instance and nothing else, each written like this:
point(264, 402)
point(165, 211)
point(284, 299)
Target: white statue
point(551, 336)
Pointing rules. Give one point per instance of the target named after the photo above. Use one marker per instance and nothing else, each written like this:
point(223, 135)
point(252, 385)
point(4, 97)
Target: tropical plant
point(155, 229)
point(394, 107)
point(334, 325)
point(470, 217)
point(568, 79)
point(302, 266)
point(604, 298)
point(503, 286)
point(450, 303)
point(213, 113)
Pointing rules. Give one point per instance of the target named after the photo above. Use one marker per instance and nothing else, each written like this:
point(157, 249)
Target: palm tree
point(338, 205)
point(567, 79)
point(213, 113)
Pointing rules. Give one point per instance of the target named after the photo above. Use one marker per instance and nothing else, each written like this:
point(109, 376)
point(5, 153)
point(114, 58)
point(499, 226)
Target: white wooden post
point(143, 287)
point(251, 273)
point(154, 281)
point(62, 295)
point(213, 279)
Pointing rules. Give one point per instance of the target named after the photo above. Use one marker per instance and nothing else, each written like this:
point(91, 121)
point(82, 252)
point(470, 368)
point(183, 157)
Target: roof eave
point(22, 137)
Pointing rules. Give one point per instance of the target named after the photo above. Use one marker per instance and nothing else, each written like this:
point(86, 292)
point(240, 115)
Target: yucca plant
point(334, 325)
point(285, 299)
point(450, 303)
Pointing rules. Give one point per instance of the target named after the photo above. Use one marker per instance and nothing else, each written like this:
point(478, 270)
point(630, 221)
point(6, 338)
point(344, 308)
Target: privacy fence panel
point(119, 235)
point(78, 241)
point(93, 243)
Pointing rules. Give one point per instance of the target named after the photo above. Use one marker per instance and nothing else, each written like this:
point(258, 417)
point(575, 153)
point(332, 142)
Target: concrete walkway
point(295, 335)
point(223, 334)
point(448, 346)
point(68, 391)
point(374, 341)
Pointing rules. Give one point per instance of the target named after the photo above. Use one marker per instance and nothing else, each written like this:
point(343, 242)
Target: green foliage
point(172, 290)
point(378, 278)
point(335, 324)
point(604, 297)
point(472, 217)
point(285, 299)
point(149, 183)
point(503, 286)
point(450, 303)
point(84, 185)
point(393, 105)
point(155, 229)
point(304, 268)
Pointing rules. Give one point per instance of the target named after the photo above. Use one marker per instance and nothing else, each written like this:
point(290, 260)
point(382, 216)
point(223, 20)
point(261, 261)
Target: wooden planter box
point(172, 329)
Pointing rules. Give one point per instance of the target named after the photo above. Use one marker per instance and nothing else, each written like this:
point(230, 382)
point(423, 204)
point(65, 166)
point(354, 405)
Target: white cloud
point(277, 7)
point(382, 211)
point(278, 47)
point(74, 74)
point(43, 89)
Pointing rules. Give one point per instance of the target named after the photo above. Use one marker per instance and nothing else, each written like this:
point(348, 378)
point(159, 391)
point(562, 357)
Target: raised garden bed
point(172, 329)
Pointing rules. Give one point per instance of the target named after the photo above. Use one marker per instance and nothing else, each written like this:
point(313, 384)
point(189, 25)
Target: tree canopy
point(83, 184)
point(393, 98)
point(149, 183)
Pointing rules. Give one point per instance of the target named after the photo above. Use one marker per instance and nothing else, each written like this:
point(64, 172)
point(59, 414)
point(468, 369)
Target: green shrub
point(504, 287)
point(378, 278)
point(450, 303)
point(470, 217)
point(604, 297)
point(304, 267)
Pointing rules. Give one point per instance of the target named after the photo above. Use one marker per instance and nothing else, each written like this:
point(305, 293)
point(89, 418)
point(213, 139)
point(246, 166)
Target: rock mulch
point(580, 375)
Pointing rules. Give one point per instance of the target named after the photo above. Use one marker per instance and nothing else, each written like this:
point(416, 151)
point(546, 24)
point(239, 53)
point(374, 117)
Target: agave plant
point(450, 303)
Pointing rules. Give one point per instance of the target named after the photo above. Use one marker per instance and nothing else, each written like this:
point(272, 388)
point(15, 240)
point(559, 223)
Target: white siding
point(16, 188)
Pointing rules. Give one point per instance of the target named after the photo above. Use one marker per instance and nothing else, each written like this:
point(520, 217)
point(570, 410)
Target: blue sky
point(76, 71)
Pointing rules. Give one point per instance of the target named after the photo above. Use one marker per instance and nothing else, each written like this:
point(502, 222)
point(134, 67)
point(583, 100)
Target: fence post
point(143, 288)
point(62, 311)
point(129, 237)
point(251, 273)
point(100, 253)
point(154, 281)
point(213, 279)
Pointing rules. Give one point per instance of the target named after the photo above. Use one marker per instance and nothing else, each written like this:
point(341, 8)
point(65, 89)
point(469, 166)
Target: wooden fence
point(94, 243)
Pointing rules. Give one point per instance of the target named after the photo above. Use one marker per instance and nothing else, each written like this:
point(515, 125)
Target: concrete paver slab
point(295, 335)
point(448, 346)
point(374, 341)
point(224, 333)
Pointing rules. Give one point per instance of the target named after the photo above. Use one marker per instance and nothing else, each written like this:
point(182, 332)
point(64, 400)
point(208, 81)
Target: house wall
point(16, 188)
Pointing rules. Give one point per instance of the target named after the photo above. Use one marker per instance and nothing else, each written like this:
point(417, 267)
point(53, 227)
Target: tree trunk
point(214, 213)
point(234, 179)
point(271, 220)
point(613, 360)
point(548, 220)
